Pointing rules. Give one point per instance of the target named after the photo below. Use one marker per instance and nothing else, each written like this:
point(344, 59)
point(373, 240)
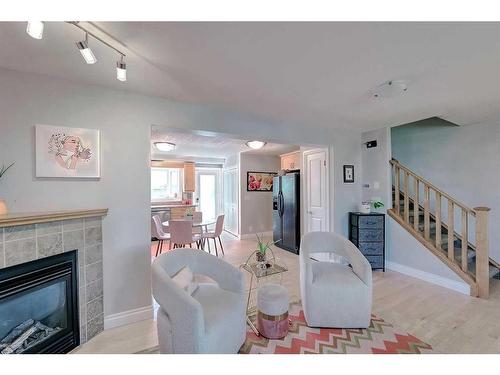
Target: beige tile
point(93, 254)
point(73, 224)
point(95, 308)
point(19, 251)
point(48, 245)
point(19, 232)
point(95, 326)
point(91, 222)
point(48, 228)
point(93, 236)
point(73, 240)
point(93, 272)
point(94, 290)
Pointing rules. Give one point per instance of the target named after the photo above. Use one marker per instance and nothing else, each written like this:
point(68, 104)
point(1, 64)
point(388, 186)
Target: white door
point(208, 192)
point(230, 200)
point(316, 197)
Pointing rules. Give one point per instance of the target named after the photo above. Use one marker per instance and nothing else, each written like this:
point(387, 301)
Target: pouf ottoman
point(272, 311)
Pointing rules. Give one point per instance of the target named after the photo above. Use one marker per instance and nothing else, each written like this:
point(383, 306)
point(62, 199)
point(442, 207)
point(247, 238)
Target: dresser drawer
point(376, 261)
point(370, 235)
point(371, 248)
point(371, 222)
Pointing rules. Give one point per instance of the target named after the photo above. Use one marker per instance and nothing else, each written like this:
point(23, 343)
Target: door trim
point(305, 216)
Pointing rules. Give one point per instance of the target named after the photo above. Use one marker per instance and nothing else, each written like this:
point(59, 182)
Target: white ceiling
point(207, 147)
point(316, 74)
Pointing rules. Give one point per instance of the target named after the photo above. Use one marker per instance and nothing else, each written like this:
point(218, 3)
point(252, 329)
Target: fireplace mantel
point(25, 218)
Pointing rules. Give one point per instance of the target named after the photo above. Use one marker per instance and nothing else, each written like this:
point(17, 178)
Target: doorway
point(208, 192)
point(316, 188)
point(230, 200)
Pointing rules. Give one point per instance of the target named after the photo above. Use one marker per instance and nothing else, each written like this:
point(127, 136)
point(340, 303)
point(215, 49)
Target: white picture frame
point(64, 152)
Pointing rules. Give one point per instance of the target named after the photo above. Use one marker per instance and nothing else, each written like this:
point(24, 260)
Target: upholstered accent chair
point(213, 318)
point(334, 294)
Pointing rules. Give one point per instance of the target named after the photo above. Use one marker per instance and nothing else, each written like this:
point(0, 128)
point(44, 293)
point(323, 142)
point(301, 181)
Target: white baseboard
point(128, 317)
point(457, 286)
point(252, 235)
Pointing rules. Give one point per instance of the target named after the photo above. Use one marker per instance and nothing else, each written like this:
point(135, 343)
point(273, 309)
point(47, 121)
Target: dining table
point(203, 224)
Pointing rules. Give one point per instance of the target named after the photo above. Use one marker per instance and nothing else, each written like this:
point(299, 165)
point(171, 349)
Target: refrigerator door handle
point(281, 204)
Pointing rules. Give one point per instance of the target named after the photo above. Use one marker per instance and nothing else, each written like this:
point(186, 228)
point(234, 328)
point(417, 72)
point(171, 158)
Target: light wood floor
point(451, 322)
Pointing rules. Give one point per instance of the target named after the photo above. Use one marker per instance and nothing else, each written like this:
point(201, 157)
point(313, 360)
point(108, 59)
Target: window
point(166, 184)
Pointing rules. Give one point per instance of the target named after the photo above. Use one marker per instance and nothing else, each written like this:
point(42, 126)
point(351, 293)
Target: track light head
point(85, 50)
point(121, 70)
point(35, 29)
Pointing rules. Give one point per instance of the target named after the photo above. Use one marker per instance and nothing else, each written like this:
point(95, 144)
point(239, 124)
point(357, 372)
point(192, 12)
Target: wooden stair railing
point(470, 221)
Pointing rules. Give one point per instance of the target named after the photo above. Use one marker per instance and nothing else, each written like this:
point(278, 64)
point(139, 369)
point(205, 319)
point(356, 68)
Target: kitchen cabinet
point(290, 161)
point(189, 178)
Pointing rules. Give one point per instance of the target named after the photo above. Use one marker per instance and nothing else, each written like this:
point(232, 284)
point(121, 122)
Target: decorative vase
point(365, 207)
point(3, 207)
point(261, 260)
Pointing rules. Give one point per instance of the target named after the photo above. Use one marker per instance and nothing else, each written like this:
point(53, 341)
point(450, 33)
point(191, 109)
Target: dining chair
point(198, 218)
point(160, 232)
point(219, 226)
point(181, 234)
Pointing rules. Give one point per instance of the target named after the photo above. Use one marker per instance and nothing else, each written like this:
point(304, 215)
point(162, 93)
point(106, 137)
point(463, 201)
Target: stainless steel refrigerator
point(286, 211)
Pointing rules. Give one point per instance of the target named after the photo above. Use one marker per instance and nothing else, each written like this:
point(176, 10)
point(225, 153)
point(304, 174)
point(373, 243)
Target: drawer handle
point(371, 222)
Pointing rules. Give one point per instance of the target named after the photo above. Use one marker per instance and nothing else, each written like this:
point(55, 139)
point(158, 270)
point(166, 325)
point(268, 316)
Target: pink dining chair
point(160, 232)
point(197, 218)
point(181, 234)
point(219, 226)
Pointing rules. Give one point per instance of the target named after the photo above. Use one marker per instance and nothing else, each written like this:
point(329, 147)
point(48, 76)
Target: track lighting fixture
point(35, 29)
point(121, 70)
point(86, 52)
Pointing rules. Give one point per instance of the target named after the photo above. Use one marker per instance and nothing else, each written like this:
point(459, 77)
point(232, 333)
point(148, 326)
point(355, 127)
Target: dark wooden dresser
point(367, 232)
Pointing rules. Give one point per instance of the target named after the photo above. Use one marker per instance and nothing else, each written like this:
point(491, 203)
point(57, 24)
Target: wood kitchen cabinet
point(189, 178)
point(290, 161)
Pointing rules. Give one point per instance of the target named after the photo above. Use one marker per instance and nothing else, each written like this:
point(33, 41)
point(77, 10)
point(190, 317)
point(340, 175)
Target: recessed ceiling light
point(390, 89)
point(85, 50)
point(35, 29)
point(255, 144)
point(165, 146)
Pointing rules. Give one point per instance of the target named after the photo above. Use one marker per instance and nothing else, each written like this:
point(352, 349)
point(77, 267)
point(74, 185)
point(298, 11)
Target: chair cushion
point(325, 273)
point(223, 313)
point(272, 299)
point(185, 280)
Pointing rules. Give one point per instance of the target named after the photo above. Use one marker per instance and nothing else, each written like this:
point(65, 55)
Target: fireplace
point(39, 306)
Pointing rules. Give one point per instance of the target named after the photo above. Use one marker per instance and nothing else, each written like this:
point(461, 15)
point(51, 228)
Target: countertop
point(156, 206)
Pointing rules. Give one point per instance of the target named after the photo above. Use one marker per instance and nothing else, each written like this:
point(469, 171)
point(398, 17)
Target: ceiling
point(207, 147)
point(316, 74)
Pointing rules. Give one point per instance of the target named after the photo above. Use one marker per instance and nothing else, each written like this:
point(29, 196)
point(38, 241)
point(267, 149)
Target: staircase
point(455, 233)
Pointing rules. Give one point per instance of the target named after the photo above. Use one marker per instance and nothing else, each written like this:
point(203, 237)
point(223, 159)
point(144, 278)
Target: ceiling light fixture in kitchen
point(256, 145)
point(165, 146)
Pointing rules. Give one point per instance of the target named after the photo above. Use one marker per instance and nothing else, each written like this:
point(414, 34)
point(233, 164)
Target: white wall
point(256, 207)
point(125, 119)
point(463, 161)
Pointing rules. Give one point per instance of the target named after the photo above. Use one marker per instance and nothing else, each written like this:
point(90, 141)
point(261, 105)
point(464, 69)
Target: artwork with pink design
point(260, 181)
point(67, 152)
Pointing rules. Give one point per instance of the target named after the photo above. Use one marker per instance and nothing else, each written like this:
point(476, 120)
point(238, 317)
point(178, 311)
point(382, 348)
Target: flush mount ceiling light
point(165, 146)
point(390, 89)
point(35, 29)
point(256, 145)
point(121, 70)
point(86, 52)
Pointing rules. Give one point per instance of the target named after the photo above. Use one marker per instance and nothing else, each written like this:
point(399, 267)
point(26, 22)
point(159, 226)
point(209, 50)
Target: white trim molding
point(249, 236)
point(457, 286)
point(128, 317)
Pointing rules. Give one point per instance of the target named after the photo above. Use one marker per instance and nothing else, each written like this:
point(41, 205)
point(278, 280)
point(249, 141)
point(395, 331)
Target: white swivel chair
point(212, 319)
point(334, 294)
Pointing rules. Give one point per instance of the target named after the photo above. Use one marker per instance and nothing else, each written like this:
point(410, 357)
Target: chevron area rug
point(380, 338)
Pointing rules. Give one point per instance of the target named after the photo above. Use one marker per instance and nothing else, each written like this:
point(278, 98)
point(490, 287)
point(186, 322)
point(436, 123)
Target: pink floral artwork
point(260, 181)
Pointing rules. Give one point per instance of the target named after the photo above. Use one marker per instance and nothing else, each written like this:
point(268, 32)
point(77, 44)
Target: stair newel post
point(465, 239)
point(406, 198)
point(427, 218)
point(482, 252)
point(396, 188)
point(438, 221)
point(416, 214)
point(451, 230)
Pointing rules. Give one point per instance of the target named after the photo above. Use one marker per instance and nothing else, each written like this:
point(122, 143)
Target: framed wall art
point(348, 173)
point(260, 181)
point(67, 152)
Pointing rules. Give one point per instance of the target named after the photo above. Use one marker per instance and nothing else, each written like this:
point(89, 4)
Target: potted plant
point(377, 203)
point(262, 248)
point(3, 206)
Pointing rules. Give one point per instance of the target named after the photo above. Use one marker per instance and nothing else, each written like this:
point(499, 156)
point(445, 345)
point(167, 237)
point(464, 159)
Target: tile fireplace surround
point(26, 237)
